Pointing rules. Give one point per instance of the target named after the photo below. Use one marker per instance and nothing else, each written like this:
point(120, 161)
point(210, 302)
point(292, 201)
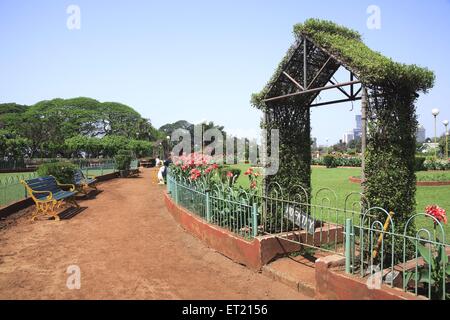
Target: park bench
point(82, 183)
point(48, 195)
point(134, 168)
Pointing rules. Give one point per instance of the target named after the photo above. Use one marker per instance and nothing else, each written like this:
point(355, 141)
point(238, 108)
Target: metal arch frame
point(306, 88)
point(360, 94)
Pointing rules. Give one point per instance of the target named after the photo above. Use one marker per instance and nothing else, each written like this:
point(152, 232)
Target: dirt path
point(127, 246)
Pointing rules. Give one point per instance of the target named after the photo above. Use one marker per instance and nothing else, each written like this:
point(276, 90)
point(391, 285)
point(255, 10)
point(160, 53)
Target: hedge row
point(332, 161)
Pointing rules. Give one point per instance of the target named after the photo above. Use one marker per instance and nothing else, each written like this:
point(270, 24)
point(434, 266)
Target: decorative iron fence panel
point(416, 263)
point(11, 190)
point(237, 217)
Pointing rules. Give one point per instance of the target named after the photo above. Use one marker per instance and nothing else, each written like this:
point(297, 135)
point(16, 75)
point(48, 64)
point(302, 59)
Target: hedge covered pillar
point(293, 123)
point(390, 156)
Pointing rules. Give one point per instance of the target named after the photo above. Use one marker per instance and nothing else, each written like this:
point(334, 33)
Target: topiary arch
point(388, 92)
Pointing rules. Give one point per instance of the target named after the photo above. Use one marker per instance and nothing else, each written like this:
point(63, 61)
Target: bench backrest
point(134, 164)
point(47, 183)
point(79, 177)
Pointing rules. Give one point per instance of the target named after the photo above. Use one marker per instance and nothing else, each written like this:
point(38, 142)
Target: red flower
point(253, 185)
point(249, 171)
point(437, 212)
point(195, 174)
point(230, 174)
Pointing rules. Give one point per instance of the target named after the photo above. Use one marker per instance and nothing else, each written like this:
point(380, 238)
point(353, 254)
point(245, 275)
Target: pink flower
point(437, 212)
point(230, 174)
point(253, 185)
point(249, 171)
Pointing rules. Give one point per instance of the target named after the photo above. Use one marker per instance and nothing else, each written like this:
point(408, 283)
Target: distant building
point(348, 137)
point(429, 147)
point(357, 132)
point(421, 134)
point(314, 144)
point(358, 122)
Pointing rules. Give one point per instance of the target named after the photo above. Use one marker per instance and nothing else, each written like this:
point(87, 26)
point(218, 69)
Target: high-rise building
point(421, 134)
point(357, 132)
point(348, 137)
point(358, 122)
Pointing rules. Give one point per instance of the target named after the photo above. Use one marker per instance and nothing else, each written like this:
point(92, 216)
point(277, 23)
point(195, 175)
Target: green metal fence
point(238, 217)
point(12, 164)
point(11, 190)
point(364, 235)
point(416, 263)
point(96, 168)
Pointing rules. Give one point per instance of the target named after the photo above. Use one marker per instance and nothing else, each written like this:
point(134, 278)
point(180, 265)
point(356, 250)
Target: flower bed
point(204, 171)
point(436, 164)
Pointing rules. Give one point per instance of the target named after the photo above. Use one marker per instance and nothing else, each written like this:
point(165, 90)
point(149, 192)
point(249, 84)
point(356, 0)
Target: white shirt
point(160, 173)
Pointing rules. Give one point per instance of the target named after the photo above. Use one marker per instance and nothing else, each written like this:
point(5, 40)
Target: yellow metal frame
point(84, 187)
point(49, 206)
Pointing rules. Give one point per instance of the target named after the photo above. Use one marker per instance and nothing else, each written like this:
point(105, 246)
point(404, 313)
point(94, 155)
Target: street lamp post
point(445, 122)
point(168, 146)
point(435, 113)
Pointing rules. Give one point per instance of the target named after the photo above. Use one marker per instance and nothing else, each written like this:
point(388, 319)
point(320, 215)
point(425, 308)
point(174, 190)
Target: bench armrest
point(32, 192)
point(50, 194)
point(72, 186)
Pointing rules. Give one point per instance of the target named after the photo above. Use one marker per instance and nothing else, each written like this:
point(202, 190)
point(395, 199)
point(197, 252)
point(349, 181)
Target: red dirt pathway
point(127, 247)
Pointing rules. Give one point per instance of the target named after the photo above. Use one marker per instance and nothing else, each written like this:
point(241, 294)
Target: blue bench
point(82, 184)
point(48, 195)
point(134, 168)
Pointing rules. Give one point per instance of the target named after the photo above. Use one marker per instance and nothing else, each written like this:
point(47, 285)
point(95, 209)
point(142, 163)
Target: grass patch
point(433, 176)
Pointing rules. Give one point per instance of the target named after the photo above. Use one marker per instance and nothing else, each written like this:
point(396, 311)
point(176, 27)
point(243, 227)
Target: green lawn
point(337, 180)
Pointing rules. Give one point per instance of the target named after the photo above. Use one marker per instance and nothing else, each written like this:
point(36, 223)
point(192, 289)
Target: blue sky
point(199, 60)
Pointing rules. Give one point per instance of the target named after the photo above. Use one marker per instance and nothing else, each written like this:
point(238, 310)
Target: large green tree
point(61, 126)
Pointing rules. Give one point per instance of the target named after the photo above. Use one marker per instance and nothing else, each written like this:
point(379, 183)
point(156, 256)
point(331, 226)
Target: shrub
point(436, 164)
point(123, 160)
point(338, 161)
point(330, 161)
point(224, 170)
point(419, 164)
point(317, 161)
point(62, 171)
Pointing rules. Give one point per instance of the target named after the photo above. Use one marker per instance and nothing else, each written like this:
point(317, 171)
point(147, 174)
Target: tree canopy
point(60, 127)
